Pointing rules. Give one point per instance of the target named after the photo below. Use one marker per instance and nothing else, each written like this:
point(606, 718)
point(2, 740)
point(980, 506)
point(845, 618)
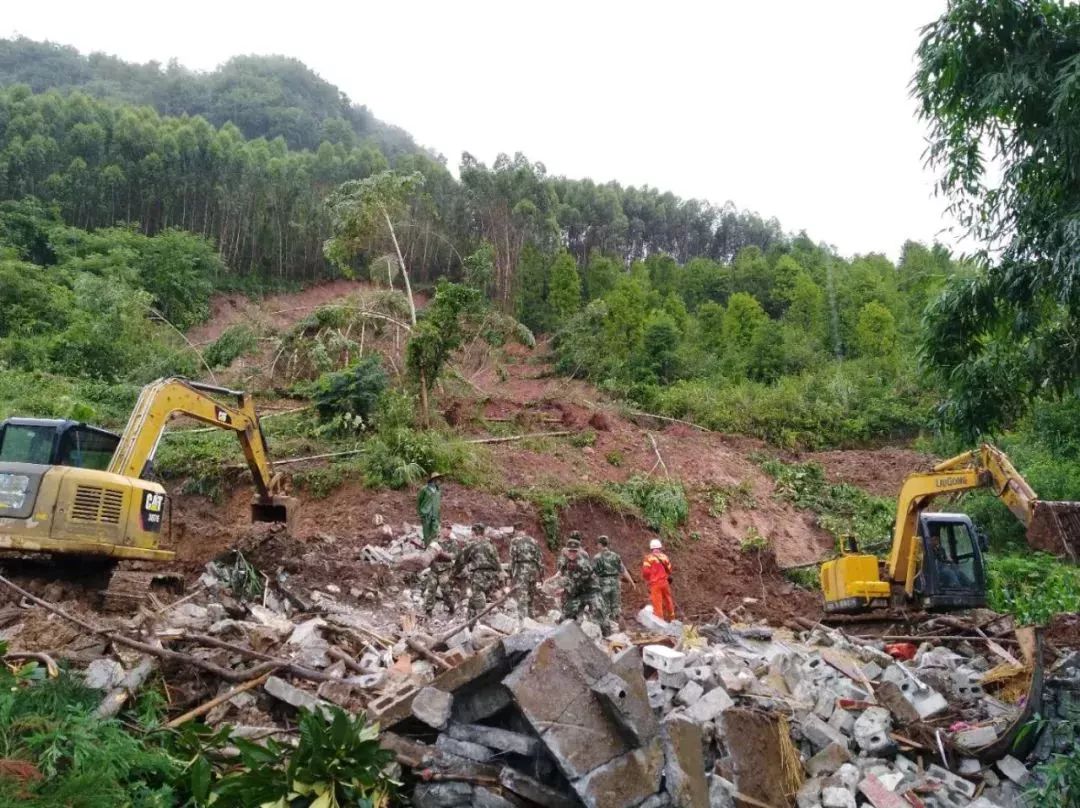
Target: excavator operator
point(949, 566)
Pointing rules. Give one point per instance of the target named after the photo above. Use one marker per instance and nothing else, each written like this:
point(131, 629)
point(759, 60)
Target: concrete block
point(975, 737)
point(826, 703)
point(522, 642)
point(837, 797)
point(465, 749)
point(552, 687)
point(676, 680)
point(809, 793)
point(433, 707)
point(283, 691)
point(449, 794)
point(843, 720)
point(1014, 770)
point(879, 795)
point(872, 730)
point(533, 790)
point(828, 760)
point(957, 784)
point(684, 766)
point(720, 792)
point(486, 798)
point(689, 694)
point(663, 658)
point(657, 693)
point(661, 800)
point(871, 670)
point(926, 701)
point(702, 674)
point(820, 734)
point(627, 780)
point(502, 739)
point(103, 674)
point(847, 775)
point(969, 766)
point(709, 706)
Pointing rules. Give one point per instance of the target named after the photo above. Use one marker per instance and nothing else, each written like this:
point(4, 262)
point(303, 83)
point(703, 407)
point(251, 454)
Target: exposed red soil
point(881, 471)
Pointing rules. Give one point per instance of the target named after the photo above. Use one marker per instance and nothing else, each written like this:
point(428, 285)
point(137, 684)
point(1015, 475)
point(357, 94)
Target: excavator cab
point(952, 573)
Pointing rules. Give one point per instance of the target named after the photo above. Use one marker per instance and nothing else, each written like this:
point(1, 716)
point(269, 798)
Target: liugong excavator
point(69, 488)
point(936, 559)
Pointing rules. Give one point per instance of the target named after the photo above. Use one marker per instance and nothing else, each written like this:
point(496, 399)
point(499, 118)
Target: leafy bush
point(753, 541)
point(234, 342)
point(355, 391)
point(1033, 588)
point(337, 761)
point(805, 577)
point(841, 509)
point(662, 502)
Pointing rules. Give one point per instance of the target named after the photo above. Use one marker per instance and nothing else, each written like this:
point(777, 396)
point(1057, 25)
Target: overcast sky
point(795, 109)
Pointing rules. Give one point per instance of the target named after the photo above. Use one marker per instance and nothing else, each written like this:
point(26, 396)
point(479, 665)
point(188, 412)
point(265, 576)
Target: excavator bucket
point(1055, 528)
point(277, 510)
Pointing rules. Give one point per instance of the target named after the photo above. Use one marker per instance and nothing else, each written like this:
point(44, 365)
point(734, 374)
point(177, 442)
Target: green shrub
point(583, 439)
point(322, 481)
point(805, 577)
point(234, 342)
point(1032, 588)
point(753, 541)
point(356, 390)
point(662, 502)
point(614, 458)
point(726, 496)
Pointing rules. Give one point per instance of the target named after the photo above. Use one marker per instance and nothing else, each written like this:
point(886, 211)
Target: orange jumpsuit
point(656, 570)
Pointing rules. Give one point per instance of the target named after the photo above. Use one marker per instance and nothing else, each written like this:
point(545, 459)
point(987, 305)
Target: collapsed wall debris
point(500, 711)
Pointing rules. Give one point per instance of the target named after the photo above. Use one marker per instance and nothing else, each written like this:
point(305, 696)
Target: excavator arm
point(165, 399)
point(985, 467)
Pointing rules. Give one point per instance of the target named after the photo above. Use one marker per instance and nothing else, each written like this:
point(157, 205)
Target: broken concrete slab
point(433, 707)
point(283, 691)
point(533, 790)
point(553, 691)
point(958, 784)
point(689, 694)
point(486, 798)
point(465, 749)
point(103, 674)
point(892, 697)
point(522, 642)
point(834, 796)
point(640, 718)
point(820, 734)
point(684, 762)
point(844, 720)
point(614, 695)
point(502, 739)
point(1014, 770)
point(709, 706)
point(828, 760)
point(625, 781)
point(449, 794)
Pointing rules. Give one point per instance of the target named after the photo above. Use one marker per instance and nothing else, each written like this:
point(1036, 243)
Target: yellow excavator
point(936, 559)
point(70, 488)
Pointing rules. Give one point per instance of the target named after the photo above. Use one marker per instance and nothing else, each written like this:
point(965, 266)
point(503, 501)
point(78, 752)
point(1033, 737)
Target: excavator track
point(134, 583)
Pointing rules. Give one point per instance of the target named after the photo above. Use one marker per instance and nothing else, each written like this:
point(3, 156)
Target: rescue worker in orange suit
point(656, 570)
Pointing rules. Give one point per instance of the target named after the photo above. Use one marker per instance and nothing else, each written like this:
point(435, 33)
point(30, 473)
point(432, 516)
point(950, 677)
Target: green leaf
point(200, 780)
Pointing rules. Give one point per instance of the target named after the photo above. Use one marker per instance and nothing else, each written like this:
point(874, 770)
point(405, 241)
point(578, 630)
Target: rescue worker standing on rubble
point(656, 570)
point(478, 563)
point(525, 560)
point(579, 584)
point(439, 580)
point(608, 567)
point(428, 504)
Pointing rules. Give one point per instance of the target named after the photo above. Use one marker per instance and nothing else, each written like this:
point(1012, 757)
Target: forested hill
point(246, 155)
point(263, 96)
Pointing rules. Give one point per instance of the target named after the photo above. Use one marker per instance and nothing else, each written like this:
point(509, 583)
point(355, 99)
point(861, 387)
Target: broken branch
point(560, 434)
point(202, 709)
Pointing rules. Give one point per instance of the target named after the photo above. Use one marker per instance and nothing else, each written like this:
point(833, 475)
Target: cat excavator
point(936, 560)
point(70, 488)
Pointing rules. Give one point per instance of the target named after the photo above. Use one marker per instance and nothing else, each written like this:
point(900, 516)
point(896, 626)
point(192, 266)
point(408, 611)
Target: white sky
point(795, 109)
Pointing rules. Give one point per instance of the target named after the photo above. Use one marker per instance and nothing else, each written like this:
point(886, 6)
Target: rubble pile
point(501, 711)
point(408, 545)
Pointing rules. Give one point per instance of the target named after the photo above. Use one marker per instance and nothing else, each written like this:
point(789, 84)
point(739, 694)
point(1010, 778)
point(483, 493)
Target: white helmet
point(655, 544)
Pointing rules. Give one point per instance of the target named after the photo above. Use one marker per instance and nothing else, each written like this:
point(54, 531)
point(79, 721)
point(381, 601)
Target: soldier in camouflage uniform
point(608, 568)
point(525, 560)
point(579, 583)
point(478, 564)
point(439, 580)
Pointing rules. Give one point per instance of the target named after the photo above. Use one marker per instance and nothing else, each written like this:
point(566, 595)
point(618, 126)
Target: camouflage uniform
point(608, 568)
point(478, 563)
point(579, 584)
point(525, 559)
point(439, 580)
